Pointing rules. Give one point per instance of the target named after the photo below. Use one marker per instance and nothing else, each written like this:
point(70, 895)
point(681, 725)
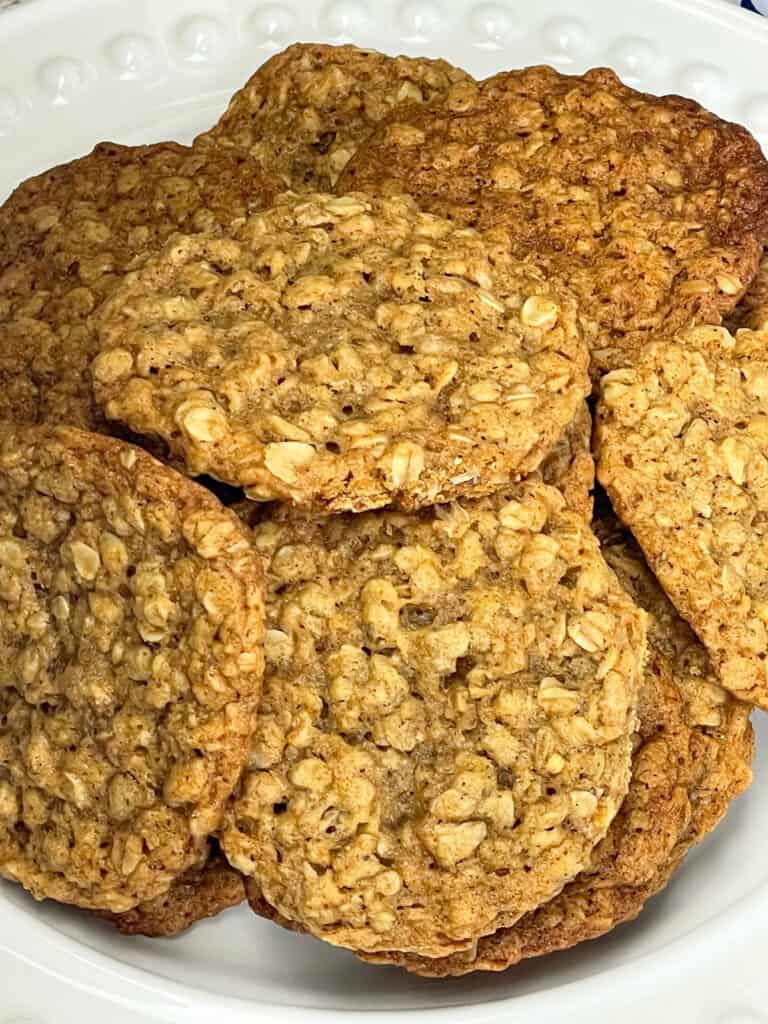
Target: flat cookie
point(570, 468)
point(68, 236)
point(130, 666)
point(304, 113)
point(445, 731)
point(682, 452)
point(200, 893)
point(214, 887)
point(694, 755)
point(652, 209)
point(343, 354)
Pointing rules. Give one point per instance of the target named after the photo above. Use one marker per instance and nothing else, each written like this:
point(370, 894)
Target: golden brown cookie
point(202, 892)
point(344, 353)
point(694, 755)
point(304, 113)
point(70, 234)
point(682, 442)
point(445, 731)
point(652, 209)
point(131, 626)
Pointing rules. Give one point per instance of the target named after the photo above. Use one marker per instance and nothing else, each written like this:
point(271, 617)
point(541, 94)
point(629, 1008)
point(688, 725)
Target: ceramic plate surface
point(75, 72)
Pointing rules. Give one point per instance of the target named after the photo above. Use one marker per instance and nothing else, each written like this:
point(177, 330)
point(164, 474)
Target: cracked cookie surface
point(130, 666)
point(445, 731)
point(67, 237)
point(343, 354)
point(570, 466)
point(752, 311)
point(693, 757)
point(653, 210)
point(304, 113)
point(682, 446)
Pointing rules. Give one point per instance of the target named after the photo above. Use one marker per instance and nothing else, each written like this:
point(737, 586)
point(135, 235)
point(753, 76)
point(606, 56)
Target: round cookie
point(215, 886)
point(445, 730)
point(68, 236)
point(653, 210)
point(304, 113)
point(694, 755)
point(131, 658)
point(202, 892)
point(682, 443)
point(207, 891)
point(343, 354)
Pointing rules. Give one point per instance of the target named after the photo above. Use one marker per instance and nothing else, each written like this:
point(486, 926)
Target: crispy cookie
point(653, 210)
point(131, 657)
point(694, 754)
point(682, 452)
point(305, 112)
point(215, 886)
point(344, 353)
point(446, 723)
point(203, 891)
point(68, 236)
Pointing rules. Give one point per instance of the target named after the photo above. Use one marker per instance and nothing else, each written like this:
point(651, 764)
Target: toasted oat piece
point(202, 892)
point(445, 732)
point(752, 311)
point(682, 452)
point(694, 756)
point(304, 113)
point(344, 353)
point(652, 209)
point(69, 235)
point(131, 625)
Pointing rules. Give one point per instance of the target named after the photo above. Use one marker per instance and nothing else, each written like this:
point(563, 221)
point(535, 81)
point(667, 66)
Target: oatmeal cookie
point(693, 757)
point(304, 113)
point(202, 892)
point(445, 731)
point(652, 209)
point(208, 890)
point(344, 354)
point(68, 236)
point(682, 450)
point(131, 658)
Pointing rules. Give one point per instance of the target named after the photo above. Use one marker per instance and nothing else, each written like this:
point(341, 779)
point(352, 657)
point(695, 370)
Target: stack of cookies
point(306, 595)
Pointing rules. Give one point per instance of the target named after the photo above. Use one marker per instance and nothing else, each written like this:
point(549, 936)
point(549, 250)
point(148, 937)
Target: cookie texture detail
point(304, 113)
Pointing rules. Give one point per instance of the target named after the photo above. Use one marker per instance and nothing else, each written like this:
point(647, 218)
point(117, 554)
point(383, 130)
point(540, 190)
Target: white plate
point(73, 72)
